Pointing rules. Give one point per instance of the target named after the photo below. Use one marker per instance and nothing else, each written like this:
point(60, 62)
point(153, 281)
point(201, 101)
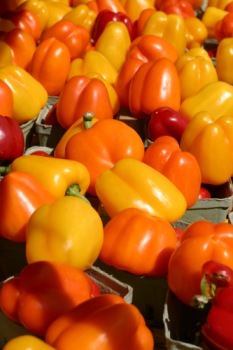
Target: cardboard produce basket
point(107, 284)
point(28, 130)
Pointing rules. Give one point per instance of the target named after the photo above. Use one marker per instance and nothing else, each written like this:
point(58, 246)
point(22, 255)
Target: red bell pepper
point(106, 16)
point(42, 292)
point(165, 121)
point(11, 139)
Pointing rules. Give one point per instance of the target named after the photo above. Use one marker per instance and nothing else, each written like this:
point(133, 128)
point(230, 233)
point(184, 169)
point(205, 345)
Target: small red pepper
point(11, 139)
point(106, 16)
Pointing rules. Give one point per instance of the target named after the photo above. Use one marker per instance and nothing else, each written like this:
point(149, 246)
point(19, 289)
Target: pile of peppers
point(108, 192)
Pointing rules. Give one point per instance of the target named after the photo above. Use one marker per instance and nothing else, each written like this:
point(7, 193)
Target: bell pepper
point(98, 148)
point(76, 127)
point(132, 183)
point(82, 94)
point(6, 57)
point(180, 167)
point(141, 20)
point(75, 37)
point(202, 137)
point(155, 84)
point(26, 20)
point(125, 75)
point(38, 7)
point(114, 43)
point(9, 5)
point(214, 98)
point(181, 8)
point(106, 16)
point(6, 25)
point(22, 342)
point(59, 176)
point(56, 10)
point(195, 70)
point(100, 5)
point(196, 32)
point(21, 194)
point(151, 47)
point(108, 320)
point(93, 61)
point(50, 65)
point(139, 243)
point(134, 8)
point(224, 27)
point(42, 292)
point(221, 4)
point(11, 140)
point(171, 27)
point(81, 15)
point(210, 17)
point(49, 239)
point(22, 46)
point(210, 242)
point(7, 103)
point(165, 121)
point(224, 56)
point(29, 96)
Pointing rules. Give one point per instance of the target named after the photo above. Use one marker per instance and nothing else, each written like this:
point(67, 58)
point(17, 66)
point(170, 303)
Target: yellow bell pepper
point(39, 7)
point(195, 69)
point(93, 61)
point(134, 8)
point(196, 32)
point(6, 57)
point(6, 25)
point(57, 10)
point(26, 342)
point(221, 4)
point(29, 96)
point(215, 98)
point(224, 57)
point(211, 142)
point(69, 231)
point(82, 15)
point(168, 26)
point(132, 183)
point(210, 17)
point(59, 176)
point(114, 43)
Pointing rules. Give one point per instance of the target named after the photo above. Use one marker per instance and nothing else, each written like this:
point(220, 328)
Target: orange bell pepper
point(203, 137)
point(155, 84)
point(109, 322)
point(42, 292)
point(224, 27)
point(50, 65)
point(171, 27)
point(180, 167)
point(182, 8)
point(7, 100)
point(142, 18)
point(21, 194)
point(136, 241)
point(79, 95)
point(75, 37)
point(23, 47)
point(210, 17)
point(98, 147)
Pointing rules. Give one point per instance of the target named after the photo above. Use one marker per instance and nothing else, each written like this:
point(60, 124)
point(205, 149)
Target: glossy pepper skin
point(42, 292)
point(132, 183)
point(60, 173)
point(7, 101)
point(210, 18)
point(224, 27)
point(195, 70)
point(165, 121)
point(181, 8)
point(224, 59)
point(106, 16)
point(204, 133)
point(78, 246)
point(214, 98)
point(135, 8)
point(11, 140)
point(81, 94)
point(21, 194)
point(50, 65)
point(98, 147)
point(29, 96)
point(138, 242)
point(180, 167)
point(212, 242)
point(22, 342)
point(108, 320)
point(196, 32)
point(82, 15)
point(155, 84)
